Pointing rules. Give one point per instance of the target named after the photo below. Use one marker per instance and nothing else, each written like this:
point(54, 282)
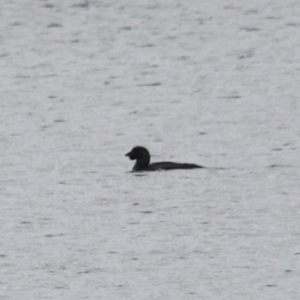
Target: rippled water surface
point(209, 82)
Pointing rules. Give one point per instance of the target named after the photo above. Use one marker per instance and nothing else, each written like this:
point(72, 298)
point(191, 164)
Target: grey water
point(206, 82)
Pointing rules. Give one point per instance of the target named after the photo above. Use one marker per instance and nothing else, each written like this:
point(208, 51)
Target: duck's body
point(142, 157)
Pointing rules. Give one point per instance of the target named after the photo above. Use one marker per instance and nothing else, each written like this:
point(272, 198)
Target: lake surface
point(214, 83)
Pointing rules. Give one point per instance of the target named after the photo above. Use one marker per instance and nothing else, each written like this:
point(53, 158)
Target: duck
point(142, 157)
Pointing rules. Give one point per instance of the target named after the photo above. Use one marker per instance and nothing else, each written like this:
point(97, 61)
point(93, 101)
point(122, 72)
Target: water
point(210, 83)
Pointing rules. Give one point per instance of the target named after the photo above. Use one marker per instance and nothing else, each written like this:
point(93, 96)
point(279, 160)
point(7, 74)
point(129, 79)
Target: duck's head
point(138, 153)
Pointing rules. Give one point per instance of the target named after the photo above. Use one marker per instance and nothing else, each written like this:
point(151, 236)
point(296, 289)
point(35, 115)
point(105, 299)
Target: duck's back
point(167, 165)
